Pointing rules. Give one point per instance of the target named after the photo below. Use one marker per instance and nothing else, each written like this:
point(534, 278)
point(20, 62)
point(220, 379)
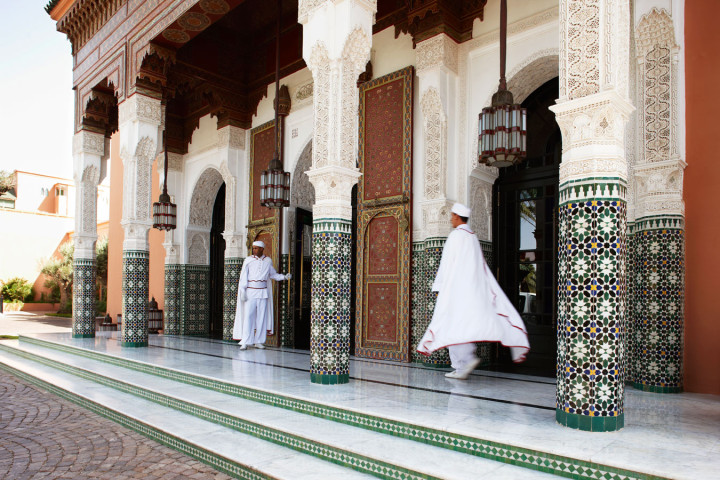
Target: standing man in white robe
point(471, 307)
point(254, 310)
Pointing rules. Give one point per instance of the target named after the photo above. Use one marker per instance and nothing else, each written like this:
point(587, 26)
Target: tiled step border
point(323, 451)
point(218, 462)
point(533, 459)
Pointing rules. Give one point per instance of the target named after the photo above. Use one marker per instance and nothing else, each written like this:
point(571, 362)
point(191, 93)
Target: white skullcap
point(461, 210)
point(258, 243)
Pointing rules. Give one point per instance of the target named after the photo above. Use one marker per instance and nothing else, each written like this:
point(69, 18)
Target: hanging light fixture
point(503, 125)
point(275, 182)
point(164, 211)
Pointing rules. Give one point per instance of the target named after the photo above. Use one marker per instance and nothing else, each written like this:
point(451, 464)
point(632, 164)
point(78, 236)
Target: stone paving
point(19, 323)
point(44, 436)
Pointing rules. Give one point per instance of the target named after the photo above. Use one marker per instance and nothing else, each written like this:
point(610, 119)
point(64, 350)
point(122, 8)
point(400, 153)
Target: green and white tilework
point(657, 311)
point(135, 285)
point(83, 310)
point(173, 299)
point(591, 308)
point(232, 277)
point(330, 299)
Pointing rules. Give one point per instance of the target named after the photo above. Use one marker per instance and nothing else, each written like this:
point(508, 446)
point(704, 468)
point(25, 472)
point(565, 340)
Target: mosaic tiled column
point(337, 38)
point(173, 299)
point(285, 307)
point(139, 120)
point(83, 325)
point(88, 151)
point(657, 341)
point(232, 277)
point(433, 254)
point(417, 307)
point(135, 286)
point(330, 297)
point(195, 312)
point(657, 317)
point(592, 112)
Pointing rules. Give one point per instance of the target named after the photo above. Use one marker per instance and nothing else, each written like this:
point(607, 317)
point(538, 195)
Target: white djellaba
point(471, 307)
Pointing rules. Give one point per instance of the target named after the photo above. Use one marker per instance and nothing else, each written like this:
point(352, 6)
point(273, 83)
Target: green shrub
point(16, 289)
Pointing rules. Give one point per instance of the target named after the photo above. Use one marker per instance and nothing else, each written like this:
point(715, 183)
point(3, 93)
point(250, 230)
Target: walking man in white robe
point(471, 307)
point(254, 310)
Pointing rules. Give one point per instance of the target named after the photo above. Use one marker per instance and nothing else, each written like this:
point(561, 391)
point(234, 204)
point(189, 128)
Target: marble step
point(235, 453)
point(368, 451)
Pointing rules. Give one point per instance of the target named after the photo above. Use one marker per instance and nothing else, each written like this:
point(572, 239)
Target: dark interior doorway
point(526, 231)
point(302, 273)
point(217, 264)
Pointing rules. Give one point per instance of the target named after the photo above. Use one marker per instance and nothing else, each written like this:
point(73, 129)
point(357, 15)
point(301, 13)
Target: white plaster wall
point(389, 54)
point(516, 10)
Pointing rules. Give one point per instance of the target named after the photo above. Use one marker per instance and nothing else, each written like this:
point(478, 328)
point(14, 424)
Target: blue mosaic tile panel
point(135, 285)
point(632, 291)
point(83, 311)
point(330, 297)
point(173, 299)
point(591, 314)
point(230, 288)
point(286, 304)
point(658, 311)
point(195, 314)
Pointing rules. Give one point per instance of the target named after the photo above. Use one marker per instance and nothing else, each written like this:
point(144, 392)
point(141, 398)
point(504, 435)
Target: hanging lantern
point(275, 182)
point(164, 211)
point(502, 138)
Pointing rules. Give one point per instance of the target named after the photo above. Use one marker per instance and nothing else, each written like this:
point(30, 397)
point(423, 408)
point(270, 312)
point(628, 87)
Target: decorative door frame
point(391, 213)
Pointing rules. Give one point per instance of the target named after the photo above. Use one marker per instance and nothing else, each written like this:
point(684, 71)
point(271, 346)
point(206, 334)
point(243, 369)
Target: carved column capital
point(140, 108)
point(88, 142)
point(235, 244)
point(232, 137)
point(172, 252)
point(439, 52)
point(436, 217)
point(333, 188)
point(136, 235)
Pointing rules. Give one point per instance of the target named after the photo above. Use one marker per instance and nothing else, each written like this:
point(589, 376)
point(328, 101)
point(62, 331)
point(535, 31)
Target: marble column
point(139, 119)
point(337, 36)
point(657, 308)
point(88, 152)
point(592, 112)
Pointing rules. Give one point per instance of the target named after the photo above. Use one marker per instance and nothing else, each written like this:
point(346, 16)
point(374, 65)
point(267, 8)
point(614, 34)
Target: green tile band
point(536, 460)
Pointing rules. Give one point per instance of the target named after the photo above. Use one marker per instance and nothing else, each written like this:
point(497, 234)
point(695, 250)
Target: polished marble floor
point(675, 436)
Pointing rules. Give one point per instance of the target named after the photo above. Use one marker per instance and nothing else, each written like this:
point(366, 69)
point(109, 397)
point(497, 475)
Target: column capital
point(333, 188)
point(136, 235)
point(436, 217)
point(232, 137)
point(659, 189)
point(140, 108)
point(87, 142)
point(235, 244)
point(84, 245)
point(437, 53)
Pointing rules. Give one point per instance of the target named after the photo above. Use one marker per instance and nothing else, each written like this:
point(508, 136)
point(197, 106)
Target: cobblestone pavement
point(44, 436)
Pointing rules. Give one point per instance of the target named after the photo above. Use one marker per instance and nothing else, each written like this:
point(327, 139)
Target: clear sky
point(36, 96)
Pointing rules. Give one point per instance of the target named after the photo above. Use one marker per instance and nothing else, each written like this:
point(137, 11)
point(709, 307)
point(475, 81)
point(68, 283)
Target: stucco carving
point(304, 92)
point(435, 129)
point(198, 251)
point(232, 137)
point(302, 192)
point(319, 64)
point(439, 51)
point(175, 162)
point(88, 142)
point(436, 217)
point(144, 153)
point(480, 203)
point(230, 196)
point(355, 56)
point(140, 108)
point(333, 188)
point(532, 73)
point(580, 45)
point(203, 198)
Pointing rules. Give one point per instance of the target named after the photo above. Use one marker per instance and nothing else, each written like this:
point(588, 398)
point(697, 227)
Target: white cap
point(461, 210)
point(258, 243)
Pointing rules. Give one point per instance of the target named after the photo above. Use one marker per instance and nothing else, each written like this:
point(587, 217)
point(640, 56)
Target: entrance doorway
point(217, 264)
point(526, 231)
point(302, 272)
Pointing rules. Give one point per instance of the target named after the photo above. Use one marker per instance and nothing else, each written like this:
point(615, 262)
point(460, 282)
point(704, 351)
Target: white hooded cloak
point(471, 307)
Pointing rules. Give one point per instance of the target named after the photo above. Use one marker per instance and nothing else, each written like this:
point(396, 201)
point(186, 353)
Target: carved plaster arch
point(203, 198)
point(302, 191)
point(198, 249)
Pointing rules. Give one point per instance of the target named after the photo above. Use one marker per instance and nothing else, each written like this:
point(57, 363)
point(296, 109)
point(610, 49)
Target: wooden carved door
point(384, 215)
point(264, 224)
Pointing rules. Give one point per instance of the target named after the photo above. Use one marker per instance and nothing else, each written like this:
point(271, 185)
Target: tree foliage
point(7, 181)
point(16, 290)
point(101, 258)
point(60, 274)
